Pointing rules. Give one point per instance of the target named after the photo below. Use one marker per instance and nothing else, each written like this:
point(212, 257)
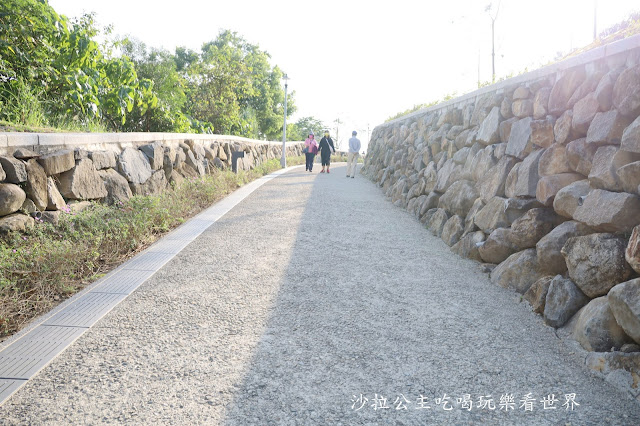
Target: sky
point(361, 62)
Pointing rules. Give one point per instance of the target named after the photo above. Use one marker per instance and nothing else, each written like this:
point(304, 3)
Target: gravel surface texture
point(316, 301)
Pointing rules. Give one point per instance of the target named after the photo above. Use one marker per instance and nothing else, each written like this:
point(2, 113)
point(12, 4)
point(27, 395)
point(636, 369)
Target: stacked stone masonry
point(538, 177)
point(43, 180)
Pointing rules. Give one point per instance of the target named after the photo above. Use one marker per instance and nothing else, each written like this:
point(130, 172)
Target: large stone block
point(459, 198)
point(11, 198)
point(82, 182)
point(155, 154)
point(624, 301)
point(54, 198)
point(548, 186)
point(518, 272)
point(596, 262)
point(15, 223)
point(554, 161)
point(626, 92)
point(103, 159)
point(632, 253)
point(540, 103)
point(489, 131)
point(522, 108)
point(607, 128)
point(14, 169)
point(580, 156)
point(631, 137)
point(469, 222)
point(57, 162)
point(453, 229)
point(134, 166)
point(542, 132)
point(564, 88)
point(606, 162)
point(493, 182)
point(116, 185)
point(583, 113)
point(497, 247)
point(604, 90)
point(501, 213)
point(437, 222)
point(520, 144)
point(483, 161)
point(549, 248)
point(525, 177)
point(629, 176)
point(156, 184)
point(562, 128)
point(468, 245)
point(528, 229)
point(537, 294)
point(607, 211)
point(596, 328)
point(505, 129)
point(36, 184)
point(505, 108)
point(564, 299)
point(447, 175)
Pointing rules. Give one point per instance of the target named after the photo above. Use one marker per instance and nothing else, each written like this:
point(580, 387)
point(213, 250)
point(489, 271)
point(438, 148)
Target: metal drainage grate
point(86, 311)
point(148, 261)
point(23, 358)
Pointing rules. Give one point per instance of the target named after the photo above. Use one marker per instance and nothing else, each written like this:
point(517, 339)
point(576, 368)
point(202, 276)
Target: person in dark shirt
point(326, 148)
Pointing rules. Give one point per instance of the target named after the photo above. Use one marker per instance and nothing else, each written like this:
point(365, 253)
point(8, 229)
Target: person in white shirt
point(354, 152)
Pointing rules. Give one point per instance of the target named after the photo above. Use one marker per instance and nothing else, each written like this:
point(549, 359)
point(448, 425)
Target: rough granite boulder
point(537, 294)
point(563, 89)
point(14, 169)
point(156, 184)
point(630, 140)
point(629, 176)
point(563, 300)
point(554, 161)
point(492, 184)
point(626, 92)
point(11, 198)
point(562, 128)
point(437, 222)
point(522, 108)
point(607, 211)
point(583, 113)
point(16, 223)
point(549, 248)
point(528, 229)
point(548, 186)
point(134, 166)
point(624, 300)
point(54, 198)
point(520, 144)
point(518, 272)
point(459, 198)
point(36, 185)
point(103, 159)
point(596, 262)
point(501, 213)
point(155, 154)
point(453, 229)
point(469, 244)
point(540, 103)
point(523, 177)
point(596, 328)
point(607, 128)
point(606, 162)
point(632, 253)
point(542, 132)
point(580, 156)
point(57, 162)
point(489, 131)
point(82, 182)
point(25, 154)
point(117, 186)
point(497, 247)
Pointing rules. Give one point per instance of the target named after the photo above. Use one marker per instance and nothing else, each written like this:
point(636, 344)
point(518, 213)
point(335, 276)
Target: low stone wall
point(537, 177)
point(42, 175)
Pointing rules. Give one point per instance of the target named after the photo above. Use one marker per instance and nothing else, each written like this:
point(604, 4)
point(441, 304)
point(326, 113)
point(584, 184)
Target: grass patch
point(50, 263)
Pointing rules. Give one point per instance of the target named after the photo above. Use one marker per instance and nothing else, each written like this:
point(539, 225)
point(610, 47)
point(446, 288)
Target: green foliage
point(299, 130)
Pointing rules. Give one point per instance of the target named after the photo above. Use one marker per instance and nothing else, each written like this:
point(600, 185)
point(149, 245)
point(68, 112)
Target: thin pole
point(493, 52)
point(283, 160)
point(595, 9)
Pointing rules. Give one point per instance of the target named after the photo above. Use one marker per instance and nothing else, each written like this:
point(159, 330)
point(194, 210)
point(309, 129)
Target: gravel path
point(309, 303)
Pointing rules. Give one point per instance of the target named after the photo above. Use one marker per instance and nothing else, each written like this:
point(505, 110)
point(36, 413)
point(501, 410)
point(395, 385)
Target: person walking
point(311, 146)
point(326, 148)
point(354, 152)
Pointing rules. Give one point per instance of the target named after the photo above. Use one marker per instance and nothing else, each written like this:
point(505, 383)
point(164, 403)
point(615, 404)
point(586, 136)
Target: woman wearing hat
point(326, 148)
point(311, 146)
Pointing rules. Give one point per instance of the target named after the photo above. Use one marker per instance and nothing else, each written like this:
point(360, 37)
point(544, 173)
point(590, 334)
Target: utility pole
point(595, 15)
point(493, 44)
point(283, 160)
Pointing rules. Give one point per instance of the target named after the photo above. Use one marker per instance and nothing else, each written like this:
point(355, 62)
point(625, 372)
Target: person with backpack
point(311, 149)
point(326, 148)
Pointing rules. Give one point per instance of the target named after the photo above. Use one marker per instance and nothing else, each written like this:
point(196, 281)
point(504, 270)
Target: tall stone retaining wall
point(538, 177)
point(42, 175)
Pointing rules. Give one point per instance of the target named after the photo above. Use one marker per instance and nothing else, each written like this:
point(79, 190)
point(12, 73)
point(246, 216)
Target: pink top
point(312, 144)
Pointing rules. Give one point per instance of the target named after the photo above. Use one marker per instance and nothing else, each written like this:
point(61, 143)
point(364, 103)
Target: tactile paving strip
point(9, 386)
point(26, 356)
point(87, 310)
point(148, 261)
point(122, 281)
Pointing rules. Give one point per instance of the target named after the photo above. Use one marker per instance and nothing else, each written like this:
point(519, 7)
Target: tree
point(301, 128)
